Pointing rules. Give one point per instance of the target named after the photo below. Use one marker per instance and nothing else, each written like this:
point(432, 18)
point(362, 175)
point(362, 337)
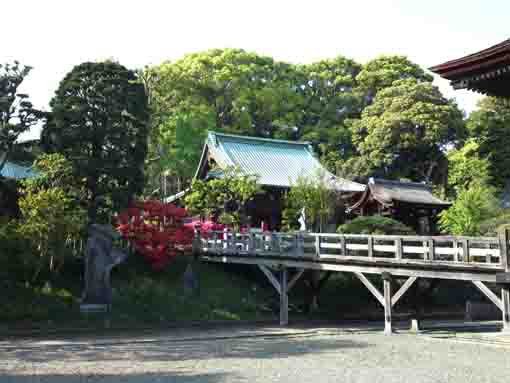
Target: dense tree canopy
point(383, 71)
point(404, 133)
point(466, 167)
point(490, 127)
point(381, 118)
point(328, 98)
point(245, 92)
point(17, 114)
point(99, 123)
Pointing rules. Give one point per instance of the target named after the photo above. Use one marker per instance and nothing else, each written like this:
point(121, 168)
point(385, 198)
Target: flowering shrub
point(156, 231)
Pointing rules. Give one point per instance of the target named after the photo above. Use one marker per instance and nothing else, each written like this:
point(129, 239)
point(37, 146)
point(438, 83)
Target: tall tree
point(490, 127)
point(329, 99)
point(383, 71)
point(404, 133)
point(99, 122)
point(465, 166)
point(245, 92)
point(17, 114)
point(229, 90)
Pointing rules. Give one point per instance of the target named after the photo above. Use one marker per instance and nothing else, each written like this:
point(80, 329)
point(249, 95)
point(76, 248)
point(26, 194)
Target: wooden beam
point(294, 279)
point(404, 270)
point(284, 298)
point(271, 278)
point(489, 294)
point(403, 289)
point(371, 288)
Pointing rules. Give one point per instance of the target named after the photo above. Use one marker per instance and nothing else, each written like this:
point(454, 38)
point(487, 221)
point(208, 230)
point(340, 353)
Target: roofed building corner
point(486, 71)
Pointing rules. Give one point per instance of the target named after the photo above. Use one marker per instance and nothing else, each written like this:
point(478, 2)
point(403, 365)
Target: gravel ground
point(266, 355)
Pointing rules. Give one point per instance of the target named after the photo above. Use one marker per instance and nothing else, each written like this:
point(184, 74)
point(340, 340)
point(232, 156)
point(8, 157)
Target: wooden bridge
point(480, 260)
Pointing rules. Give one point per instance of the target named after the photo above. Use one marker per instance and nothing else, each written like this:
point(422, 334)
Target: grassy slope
point(226, 292)
point(142, 296)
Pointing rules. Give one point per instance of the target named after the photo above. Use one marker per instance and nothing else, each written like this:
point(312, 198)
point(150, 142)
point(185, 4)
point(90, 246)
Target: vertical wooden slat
point(370, 247)
point(344, 245)
point(432, 249)
point(398, 245)
point(251, 244)
point(317, 246)
point(456, 248)
point(488, 256)
point(425, 250)
point(465, 250)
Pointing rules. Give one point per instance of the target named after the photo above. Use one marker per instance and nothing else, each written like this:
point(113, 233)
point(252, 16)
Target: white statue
point(302, 220)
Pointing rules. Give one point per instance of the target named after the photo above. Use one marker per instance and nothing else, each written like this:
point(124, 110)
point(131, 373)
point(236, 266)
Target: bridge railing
point(476, 251)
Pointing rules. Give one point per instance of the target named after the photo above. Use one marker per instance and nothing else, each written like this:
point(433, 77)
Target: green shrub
point(375, 224)
point(492, 226)
point(472, 207)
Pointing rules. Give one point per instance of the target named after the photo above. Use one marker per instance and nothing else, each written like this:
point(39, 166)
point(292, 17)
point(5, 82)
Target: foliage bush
point(375, 224)
point(314, 196)
point(494, 225)
point(223, 197)
point(156, 231)
point(36, 245)
point(473, 206)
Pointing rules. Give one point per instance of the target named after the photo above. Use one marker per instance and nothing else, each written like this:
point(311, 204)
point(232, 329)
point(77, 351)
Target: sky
point(53, 36)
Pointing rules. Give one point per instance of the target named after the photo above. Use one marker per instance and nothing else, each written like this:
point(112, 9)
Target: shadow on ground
point(174, 377)
point(170, 350)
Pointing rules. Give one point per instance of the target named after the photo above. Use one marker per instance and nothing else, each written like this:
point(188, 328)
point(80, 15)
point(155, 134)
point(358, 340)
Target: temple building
point(408, 202)
point(486, 71)
point(276, 163)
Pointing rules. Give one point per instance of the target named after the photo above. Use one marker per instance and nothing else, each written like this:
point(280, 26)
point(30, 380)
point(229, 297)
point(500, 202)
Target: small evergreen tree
point(99, 122)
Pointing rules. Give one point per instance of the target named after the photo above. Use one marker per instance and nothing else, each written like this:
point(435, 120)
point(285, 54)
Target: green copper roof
point(12, 170)
point(275, 162)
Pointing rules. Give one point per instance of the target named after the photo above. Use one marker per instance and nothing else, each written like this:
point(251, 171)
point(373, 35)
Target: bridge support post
point(388, 329)
point(284, 298)
point(504, 279)
point(505, 307)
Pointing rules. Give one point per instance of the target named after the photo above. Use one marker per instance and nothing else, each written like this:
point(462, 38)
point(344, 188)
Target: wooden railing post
point(317, 246)
point(465, 250)
point(344, 246)
point(503, 249)
point(299, 250)
point(196, 244)
point(251, 244)
point(432, 250)
point(370, 246)
point(398, 245)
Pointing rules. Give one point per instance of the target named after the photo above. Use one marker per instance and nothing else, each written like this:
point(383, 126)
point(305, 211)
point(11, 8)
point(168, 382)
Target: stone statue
point(100, 259)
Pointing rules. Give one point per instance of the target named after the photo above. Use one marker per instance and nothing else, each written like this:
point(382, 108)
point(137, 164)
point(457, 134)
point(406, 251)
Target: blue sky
point(54, 35)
